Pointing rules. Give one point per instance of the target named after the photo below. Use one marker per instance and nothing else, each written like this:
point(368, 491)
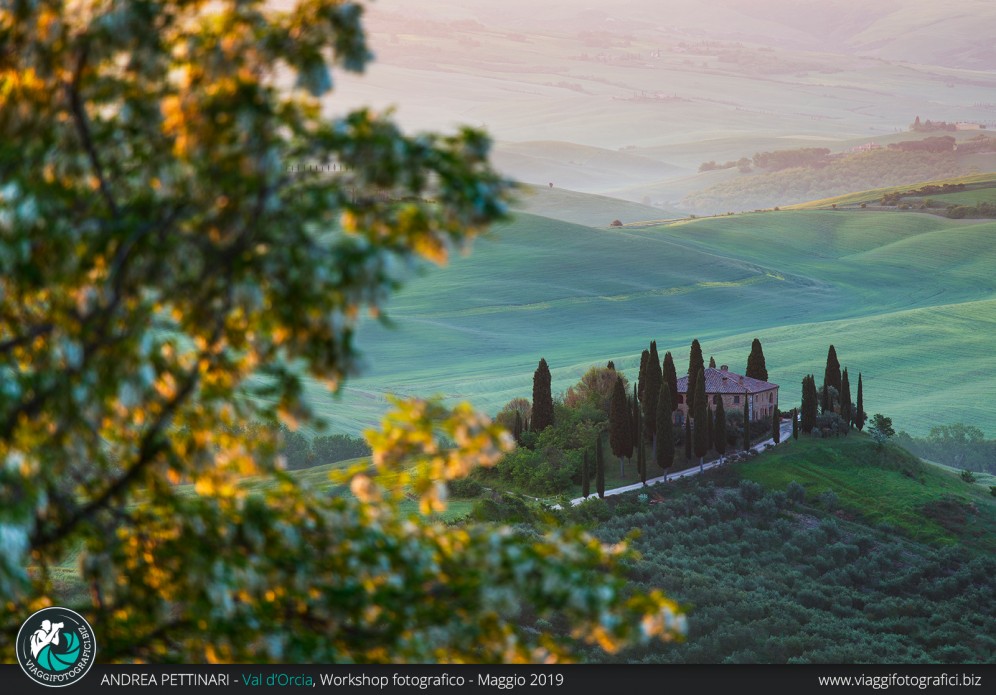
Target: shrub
point(829, 500)
point(751, 491)
point(506, 509)
point(796, 492)
point(465, 487)
point(546, 470)
point(968, 476)
point(616, 223)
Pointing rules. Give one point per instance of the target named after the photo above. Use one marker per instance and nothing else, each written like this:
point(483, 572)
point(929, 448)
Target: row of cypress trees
point(647, 416)
point(834, 397)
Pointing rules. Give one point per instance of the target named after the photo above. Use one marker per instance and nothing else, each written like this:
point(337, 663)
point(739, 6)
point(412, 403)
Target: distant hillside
point(977, 184)
point(838, 176)
point(576, 167)
point(582, 208)
point(915, 31)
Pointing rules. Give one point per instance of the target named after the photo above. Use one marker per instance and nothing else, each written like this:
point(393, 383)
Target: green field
point(972, 197)
point(884, 486)
point(583, 208)
point(908, 300)
point(983, 189)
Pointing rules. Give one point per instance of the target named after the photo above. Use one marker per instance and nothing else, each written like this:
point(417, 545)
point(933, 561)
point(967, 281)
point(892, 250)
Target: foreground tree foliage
point(168, 273)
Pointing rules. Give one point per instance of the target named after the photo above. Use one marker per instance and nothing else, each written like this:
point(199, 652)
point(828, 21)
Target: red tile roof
point(719, 381)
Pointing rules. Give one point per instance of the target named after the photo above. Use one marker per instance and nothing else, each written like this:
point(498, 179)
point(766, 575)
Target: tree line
point(829, 410)
point(566, 441)
point(958, 445)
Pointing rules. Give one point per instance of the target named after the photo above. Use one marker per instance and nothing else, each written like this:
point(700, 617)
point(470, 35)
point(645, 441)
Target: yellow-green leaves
point(169, 273)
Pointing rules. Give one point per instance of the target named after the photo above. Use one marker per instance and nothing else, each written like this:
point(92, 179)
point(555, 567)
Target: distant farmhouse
point(761, 396)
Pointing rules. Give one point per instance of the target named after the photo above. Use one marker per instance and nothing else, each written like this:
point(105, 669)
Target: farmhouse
point(761, 396)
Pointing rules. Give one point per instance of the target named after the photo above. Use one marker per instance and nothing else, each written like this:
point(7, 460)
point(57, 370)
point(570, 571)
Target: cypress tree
point(651, 393)
point(542, 398)
point(634, 419)
point(809, 404)
point(746, 424)
point(619, 426)
point(599, 467)
point(719, 431)
point(688, 439)
point(756, 368)
point(630, 439)
point(670, 377)
point(641, 455)
point(712, 362)
point(776, 426)
point(611, 365)
point(701, 414)
point(517, 428)
point(832, 374)
point(825, 404)
point(642, 381)
point(795, 424)
point(664, 452)
point(695, 365)
point(585, 476)
point(525, 425)
point(845, 399)
point(859, 410)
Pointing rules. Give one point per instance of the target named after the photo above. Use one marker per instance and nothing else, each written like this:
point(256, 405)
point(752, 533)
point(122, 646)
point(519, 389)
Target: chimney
point(724, 368)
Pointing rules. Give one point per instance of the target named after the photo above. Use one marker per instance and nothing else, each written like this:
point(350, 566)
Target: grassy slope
point(582, 208)
point(884, 486)
point(987, 181)
point(972, 197)
point(908, 299)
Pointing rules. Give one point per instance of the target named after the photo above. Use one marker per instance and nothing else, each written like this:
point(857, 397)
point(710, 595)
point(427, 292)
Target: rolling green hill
point(884, 486)
point(857, 171)
point(582, 208)
point(982, 188)
point(908, 299)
